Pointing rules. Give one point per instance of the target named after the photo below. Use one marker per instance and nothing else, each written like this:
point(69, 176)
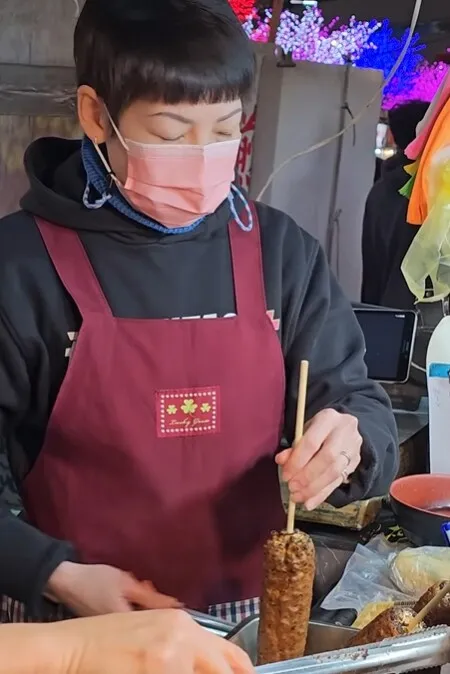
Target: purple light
point(309, 38)
point(425, 83)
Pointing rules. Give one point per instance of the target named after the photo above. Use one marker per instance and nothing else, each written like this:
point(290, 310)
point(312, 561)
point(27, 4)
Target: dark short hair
point(403, 120)
point(162, 50)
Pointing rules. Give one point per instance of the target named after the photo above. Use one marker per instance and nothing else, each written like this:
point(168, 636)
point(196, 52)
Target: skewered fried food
point(440, 614)
point(289, 569)
point(393, 622)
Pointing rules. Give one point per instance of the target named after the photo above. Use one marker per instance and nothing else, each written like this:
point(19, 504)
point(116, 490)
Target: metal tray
point(413, 653)
point(321, 637)
point(326, 652)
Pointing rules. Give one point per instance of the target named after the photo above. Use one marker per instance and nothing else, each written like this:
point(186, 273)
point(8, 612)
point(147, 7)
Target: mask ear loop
point(108, 168)
point(245, 228)
point(112, 176)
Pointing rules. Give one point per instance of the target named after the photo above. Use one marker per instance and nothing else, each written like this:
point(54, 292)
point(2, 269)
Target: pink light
point(425, 85)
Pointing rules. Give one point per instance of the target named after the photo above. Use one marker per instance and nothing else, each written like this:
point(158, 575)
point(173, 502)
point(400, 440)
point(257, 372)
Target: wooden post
point(277, 8)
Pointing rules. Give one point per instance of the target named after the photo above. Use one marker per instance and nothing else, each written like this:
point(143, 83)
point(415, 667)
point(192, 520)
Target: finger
point(325, 467)
point(301, 493)
point(145, 596)
point(237, 658)
point(211, 661)
point(328, 464)
point(318, 430)
point(161, 601)
point(313, 494)
point(119, 605)
point(283, 456)
point(321, 497)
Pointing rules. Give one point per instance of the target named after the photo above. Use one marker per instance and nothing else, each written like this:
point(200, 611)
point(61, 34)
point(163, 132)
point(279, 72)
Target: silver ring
point(348, 459)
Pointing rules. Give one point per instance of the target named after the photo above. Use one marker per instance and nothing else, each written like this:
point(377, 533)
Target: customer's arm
point(153, 642)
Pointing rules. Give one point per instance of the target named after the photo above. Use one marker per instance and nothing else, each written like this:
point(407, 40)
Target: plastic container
point(438, 382)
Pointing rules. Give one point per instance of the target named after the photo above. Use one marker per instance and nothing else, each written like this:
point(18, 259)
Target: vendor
point(152, 322)
point(143, 642)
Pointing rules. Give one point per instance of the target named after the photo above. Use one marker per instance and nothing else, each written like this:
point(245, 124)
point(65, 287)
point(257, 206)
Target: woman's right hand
point(90, 589)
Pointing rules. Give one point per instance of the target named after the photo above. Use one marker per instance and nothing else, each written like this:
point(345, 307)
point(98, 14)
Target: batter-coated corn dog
point(440, 614)
point(393, 622)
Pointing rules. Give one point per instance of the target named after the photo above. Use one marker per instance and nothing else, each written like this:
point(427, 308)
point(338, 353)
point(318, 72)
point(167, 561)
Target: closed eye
point(171, 140)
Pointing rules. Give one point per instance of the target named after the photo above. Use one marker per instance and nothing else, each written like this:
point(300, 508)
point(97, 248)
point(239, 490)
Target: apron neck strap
point(74, 268)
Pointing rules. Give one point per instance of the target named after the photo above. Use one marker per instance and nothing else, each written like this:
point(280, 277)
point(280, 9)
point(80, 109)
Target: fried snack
point(370, 612)
point(440, 614)
point(289, 569)
point(393, 622)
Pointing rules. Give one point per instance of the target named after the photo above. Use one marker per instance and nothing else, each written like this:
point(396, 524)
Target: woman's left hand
point(328, 453)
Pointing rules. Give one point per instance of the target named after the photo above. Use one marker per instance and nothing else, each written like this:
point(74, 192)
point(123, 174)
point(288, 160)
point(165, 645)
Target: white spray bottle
point(438, 381)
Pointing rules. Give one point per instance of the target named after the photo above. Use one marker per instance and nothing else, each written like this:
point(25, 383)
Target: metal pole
point(337, 167)
point(277, 8)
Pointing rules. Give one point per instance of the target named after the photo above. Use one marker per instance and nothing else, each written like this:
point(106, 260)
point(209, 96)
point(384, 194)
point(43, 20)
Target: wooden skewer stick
point(429, 607)
point(299, 426)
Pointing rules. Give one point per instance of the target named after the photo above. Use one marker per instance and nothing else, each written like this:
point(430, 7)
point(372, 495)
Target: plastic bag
point(414, 570)
point(366, 578)
point(428, 257)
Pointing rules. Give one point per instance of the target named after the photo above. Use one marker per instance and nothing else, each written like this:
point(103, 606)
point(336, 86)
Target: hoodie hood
point(57, 182)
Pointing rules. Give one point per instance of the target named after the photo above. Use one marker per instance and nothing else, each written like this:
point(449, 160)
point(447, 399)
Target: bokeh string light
point(242, 8)
point(310, 38)
point(365, 44)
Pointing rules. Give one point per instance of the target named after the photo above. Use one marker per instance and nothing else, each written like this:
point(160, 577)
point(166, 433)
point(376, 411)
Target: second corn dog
point(440, 614)
point(394, 622)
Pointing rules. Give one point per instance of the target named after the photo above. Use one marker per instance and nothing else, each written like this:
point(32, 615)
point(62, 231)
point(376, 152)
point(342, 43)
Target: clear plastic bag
point(366, 578)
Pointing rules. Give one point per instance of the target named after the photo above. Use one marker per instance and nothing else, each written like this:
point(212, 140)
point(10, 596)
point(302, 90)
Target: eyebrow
point(186, 120)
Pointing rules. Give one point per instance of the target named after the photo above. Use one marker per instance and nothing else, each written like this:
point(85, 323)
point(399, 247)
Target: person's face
point(157, 123)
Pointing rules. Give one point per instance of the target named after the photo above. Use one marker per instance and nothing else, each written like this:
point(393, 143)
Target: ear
point(91, 114)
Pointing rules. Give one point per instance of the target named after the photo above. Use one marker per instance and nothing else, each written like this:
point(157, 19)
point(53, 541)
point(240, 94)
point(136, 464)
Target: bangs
point(184, 54)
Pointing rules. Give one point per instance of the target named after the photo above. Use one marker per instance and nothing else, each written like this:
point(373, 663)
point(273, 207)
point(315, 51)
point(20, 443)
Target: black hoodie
point(146, 274)
point(386, 239)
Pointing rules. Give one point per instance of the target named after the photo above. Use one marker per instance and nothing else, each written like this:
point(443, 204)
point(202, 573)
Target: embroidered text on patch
point(187, 412)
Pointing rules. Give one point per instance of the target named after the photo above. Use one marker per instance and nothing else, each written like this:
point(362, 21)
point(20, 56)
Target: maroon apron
point(159, 453)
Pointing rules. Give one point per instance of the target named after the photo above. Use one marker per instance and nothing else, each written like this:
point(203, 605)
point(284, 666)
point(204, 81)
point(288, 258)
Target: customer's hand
point(326, 456)
point(144, 642)
point(88, 590)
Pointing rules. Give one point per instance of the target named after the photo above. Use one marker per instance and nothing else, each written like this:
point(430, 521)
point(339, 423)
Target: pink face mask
point(176, 184)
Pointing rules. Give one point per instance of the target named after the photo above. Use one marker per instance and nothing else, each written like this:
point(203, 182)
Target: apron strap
point(246, 255)
point(74, 268)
